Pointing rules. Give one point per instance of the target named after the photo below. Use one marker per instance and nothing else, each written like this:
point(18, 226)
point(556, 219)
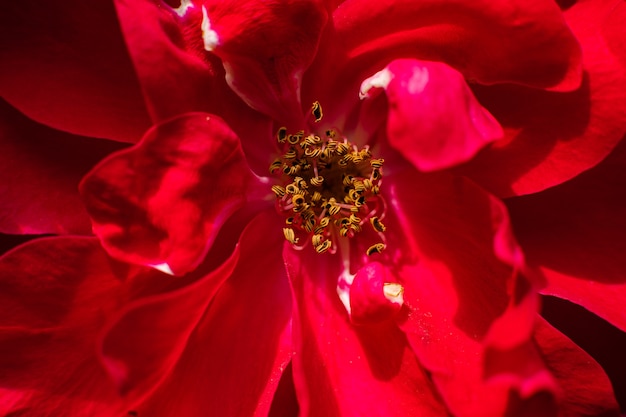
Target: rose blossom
point(450, 288)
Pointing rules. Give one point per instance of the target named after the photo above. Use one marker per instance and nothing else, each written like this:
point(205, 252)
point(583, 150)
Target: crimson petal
point(265, 48)
point(551, 137)
point(575, 232)
point(55, 296)
point(585, 388)
point(133, 349)
point(471, 309)
point(434, 119)
point(65, 65)
point(162, 202)
point(233, 360)
point(178, 76)
point(344, 370)
point(524, 42)
point(40, 171)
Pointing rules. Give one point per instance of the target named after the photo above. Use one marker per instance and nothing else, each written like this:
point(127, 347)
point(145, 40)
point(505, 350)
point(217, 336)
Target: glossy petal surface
point(162, 202)
point(66, 65)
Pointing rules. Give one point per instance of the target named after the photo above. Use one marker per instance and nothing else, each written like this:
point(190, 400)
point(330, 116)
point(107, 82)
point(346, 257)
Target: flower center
point(330, 188)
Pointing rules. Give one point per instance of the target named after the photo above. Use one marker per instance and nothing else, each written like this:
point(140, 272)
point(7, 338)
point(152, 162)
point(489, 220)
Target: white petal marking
point(209, 36)
point(380, 80)
point(184, 6)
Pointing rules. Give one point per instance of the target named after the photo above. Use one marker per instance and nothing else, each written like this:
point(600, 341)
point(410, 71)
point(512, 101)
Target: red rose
point(372, 262)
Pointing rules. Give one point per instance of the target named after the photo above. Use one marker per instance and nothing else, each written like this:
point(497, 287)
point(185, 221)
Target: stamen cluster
point(331, 188)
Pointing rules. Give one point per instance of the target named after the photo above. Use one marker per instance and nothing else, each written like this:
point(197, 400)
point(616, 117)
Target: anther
point(377, 248)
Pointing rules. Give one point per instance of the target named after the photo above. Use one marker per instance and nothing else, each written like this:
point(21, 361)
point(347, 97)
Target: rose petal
point(55, 296)
point(265, 48)
point(65, 65)
point(133, 349)
point(344, 370)
point(233, 360)
point(41, 169)
point(550, 138)
point(471, 309)
point(434, 119)
point(524, 42)
point(585, 388)
point(575, 232)
point(162, 202)
point(178, 76)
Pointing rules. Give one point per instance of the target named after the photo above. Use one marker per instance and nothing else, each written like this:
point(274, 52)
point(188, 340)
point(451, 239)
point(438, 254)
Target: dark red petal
point(178, 76)
point(434, 119)
point(265, 48)
point(553, 137)
point(145, 341)
point(65, 64)
point(575, 232)
point(518, 41)
point(174, 79)
point(55, 296)
point(233, 360)
point(345, 370)
point(40, 170)
point(471, 309)
point(585, 390)
point(162, 202)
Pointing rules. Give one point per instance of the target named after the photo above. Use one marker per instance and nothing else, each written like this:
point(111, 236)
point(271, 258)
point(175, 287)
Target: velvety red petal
point(162, 202)
point(523, 42)
point(55, 296)
point(434, 119)
point(585, 390)
point(233, 360)
point(575, 232)
point(133, 348)
point(40, 170)
point(65, 64)
point(552, 137)
point(471, 308)
point(265, 48)
point(178, 76)
point(341, 369)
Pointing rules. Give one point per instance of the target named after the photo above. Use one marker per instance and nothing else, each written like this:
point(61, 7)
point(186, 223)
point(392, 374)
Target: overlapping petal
point(433, 119)
point(56, 295)
point(162, 202)
point(147, 339)
point(523, 42)
point(367, 370)
point(471, 309)
point(233, 360)
point(552, 137)
point(575, 232)
point(40, 170)
point(585, 390)
point(65, 65)
point(178, 76)
point(265, 48)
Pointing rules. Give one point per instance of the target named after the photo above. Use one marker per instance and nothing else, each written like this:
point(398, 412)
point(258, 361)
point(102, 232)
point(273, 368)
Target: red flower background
point(165, 115)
